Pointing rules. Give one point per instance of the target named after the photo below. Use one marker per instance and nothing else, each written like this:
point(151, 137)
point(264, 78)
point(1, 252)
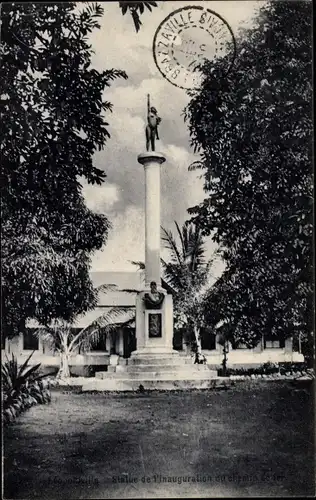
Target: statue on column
point(153, 120)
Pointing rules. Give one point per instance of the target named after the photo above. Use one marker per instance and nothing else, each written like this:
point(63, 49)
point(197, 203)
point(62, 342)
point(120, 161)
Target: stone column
point(152, 162)
point(147, 344)
point(288, 347)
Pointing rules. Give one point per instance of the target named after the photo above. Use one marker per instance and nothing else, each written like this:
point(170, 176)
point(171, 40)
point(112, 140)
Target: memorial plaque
point(154, 325)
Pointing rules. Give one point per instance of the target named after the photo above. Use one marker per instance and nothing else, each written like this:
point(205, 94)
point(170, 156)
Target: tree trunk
point(224, 362)
point(199, 358)
point(64, 371)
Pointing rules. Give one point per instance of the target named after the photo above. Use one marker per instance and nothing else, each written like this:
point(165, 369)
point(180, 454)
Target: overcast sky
point(121, 197)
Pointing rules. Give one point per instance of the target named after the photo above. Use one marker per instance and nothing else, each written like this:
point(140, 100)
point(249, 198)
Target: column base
point(155, 351)
point(163, 358)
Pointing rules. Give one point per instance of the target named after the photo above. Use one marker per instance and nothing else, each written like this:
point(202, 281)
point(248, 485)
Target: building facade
point(116, 346)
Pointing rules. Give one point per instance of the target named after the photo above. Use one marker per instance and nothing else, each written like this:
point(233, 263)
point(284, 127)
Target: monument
point(154, 364)
point(154, 309)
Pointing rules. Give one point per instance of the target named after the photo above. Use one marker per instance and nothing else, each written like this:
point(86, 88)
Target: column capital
point(151, 157)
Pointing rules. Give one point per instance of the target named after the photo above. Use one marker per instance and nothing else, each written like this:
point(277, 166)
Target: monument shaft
point(154, 325)
point(152, 162)
point(152, 222)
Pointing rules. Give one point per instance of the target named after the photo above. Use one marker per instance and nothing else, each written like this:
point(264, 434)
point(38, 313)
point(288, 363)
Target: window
point(273, 342)
point(208, 339)
point(30, 341)
point(241, 346)
point(129, 340)
point(178, 339)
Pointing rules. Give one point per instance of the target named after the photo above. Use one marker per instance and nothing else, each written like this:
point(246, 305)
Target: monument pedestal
point(154, 329)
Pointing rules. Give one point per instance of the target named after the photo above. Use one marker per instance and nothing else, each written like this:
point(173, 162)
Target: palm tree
point(60, 334)
point(186, 275)
point(188, 258)
point(187, 272)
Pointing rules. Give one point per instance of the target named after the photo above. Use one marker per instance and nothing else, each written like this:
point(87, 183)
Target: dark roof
point(129, 280)
point(133, 281)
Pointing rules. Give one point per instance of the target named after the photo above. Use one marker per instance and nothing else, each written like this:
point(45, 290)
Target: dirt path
point(254, 440)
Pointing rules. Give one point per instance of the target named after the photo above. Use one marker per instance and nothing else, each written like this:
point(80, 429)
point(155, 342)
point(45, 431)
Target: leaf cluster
point(22, 387)
point(253, 129)
point(53, 120)
point(136, 9)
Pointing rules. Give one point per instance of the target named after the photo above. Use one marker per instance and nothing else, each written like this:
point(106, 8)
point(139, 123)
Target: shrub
point(22, 387)
point(267, 369)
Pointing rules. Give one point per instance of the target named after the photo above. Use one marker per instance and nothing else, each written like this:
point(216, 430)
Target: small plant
point(22, 387)
point(269, 368)
point(199, 358)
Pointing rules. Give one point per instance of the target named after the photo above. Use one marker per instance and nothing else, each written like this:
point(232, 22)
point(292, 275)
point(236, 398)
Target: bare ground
point(256, 439)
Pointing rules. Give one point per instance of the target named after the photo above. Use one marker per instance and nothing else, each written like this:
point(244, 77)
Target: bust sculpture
point(153, 299)
point(153, 120)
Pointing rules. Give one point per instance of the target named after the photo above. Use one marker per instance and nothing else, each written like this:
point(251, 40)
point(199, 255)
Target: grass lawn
point(255, 439)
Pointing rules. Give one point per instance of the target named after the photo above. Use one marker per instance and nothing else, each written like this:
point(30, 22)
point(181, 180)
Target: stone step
point(117, 385)
point(159, 360)
point(151, 368)
point(157, 375)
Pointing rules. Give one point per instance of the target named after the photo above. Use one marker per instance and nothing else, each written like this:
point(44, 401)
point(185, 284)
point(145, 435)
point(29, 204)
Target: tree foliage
point(136, 9)
point(253, 129)
point(52, 121)
point(187, 272)
point(60, 335)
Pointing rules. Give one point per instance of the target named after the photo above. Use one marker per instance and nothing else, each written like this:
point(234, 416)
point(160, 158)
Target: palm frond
point(196, 247)
point(185, 239)
point(167, 287)
point(173, 273)
point(53, 333)
point(129, 322)
point(180, 233)
point(106, 287)
point(108, 319)
point(111, 74)
point(94, 9)
point(171, 245)
point(195, 166)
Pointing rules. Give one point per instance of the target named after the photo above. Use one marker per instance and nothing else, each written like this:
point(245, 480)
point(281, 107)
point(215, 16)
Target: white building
point(122, 341)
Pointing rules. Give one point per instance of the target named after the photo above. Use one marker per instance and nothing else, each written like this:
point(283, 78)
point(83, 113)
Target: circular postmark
point(188, 37)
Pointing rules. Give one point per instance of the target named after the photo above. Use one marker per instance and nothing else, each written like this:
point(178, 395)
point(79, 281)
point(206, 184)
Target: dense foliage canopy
point(52, 121)
point(253, 129)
